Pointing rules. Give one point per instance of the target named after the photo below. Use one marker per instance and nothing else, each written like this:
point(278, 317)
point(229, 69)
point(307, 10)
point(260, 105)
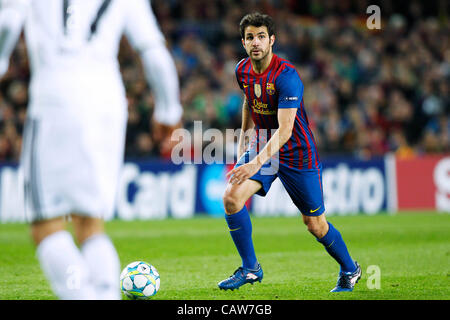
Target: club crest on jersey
point(257, 90)
point(270, 88)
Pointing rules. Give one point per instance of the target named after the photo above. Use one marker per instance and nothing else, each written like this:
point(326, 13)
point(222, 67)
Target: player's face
point(257, 42)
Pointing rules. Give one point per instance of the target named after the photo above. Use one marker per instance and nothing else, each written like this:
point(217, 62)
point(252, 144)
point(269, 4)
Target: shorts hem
point(314, 214)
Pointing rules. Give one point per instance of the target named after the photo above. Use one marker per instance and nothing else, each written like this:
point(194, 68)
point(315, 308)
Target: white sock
point(101, 257)
point(64, 267)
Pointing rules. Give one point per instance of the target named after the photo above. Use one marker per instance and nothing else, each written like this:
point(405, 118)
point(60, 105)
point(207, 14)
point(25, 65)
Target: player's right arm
point(12, 17)
point(247, 126)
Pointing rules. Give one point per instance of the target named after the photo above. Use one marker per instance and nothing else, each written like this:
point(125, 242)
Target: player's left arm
point(12, 16)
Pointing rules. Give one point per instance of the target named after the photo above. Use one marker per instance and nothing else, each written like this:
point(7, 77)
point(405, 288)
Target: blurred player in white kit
point(74, 134)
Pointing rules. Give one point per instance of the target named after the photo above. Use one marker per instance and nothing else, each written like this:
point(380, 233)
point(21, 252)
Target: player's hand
point(3, 68)
point(242, 173)
point(162, 134)
point(162, 131)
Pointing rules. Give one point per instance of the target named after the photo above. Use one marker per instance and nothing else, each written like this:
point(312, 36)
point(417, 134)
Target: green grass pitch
point(412, 253)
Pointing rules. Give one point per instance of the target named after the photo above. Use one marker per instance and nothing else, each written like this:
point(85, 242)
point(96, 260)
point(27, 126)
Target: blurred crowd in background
point(367, 92)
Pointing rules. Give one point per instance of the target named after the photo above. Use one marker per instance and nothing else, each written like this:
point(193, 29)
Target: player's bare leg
point(61, 260)
point(240, 228)
point(42, 229)
point(99, 253)
point(236, 195)
point(317, 225)
point(85, 227)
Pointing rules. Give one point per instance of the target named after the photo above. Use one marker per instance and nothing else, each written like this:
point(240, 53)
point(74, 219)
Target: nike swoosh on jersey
point(312, 211)
point(234, 229)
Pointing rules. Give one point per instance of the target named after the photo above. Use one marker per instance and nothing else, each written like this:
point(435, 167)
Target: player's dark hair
point(257, 19)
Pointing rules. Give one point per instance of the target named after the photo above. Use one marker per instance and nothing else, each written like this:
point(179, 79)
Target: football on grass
point(139, 280)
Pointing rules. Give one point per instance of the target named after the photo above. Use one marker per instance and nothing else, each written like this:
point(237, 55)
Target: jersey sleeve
point(290, 88)
point(12, 17)
point(141, 26)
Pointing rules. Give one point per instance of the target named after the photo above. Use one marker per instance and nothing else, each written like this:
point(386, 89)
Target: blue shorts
point(303, 186)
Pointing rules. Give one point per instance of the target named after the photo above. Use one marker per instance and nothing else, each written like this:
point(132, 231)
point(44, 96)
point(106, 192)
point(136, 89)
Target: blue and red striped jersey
point(279, 86)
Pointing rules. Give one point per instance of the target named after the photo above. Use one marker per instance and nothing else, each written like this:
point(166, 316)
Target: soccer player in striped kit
point(283, 146)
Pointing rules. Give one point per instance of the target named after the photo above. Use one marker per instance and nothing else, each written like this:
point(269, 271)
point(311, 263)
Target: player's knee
point(314, 229)
point(231, 203)
point(85, 227)
point(315, 226)
point(42, 229)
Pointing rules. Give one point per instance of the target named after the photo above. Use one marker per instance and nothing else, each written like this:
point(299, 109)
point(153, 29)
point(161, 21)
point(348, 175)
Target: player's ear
point(272, 39)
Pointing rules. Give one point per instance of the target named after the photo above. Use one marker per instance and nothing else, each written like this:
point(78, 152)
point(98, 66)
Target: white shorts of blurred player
point(71, 160)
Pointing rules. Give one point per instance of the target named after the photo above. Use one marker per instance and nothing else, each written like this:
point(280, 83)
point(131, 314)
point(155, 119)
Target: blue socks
point(335, 246)
point(240, 227)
